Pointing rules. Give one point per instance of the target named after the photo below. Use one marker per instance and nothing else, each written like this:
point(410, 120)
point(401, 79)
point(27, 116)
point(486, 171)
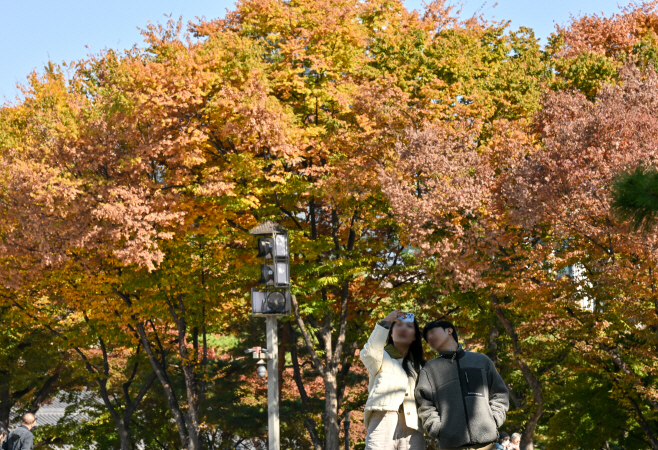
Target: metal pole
point(272, 385)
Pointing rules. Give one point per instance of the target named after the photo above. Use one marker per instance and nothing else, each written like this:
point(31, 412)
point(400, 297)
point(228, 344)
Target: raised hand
point(394, 316)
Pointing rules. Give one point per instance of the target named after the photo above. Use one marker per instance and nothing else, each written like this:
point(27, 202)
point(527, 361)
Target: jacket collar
point(394, 353)
point(452, 355)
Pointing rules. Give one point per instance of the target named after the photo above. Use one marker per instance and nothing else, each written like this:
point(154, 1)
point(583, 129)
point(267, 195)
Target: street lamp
point(261, 370)
point(271, 300)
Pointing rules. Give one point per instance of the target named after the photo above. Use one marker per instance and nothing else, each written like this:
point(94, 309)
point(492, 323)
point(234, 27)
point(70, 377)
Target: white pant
point(387, 430)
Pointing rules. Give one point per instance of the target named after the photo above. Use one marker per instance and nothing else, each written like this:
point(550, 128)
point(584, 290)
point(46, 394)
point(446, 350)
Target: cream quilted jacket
point(389, 386)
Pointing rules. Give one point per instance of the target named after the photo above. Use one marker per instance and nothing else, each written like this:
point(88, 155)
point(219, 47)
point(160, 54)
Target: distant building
point(51, 413)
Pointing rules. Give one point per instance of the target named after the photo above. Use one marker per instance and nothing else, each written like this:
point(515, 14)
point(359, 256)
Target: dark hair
point(440, 324)
point(502, 436)
point(415, 350)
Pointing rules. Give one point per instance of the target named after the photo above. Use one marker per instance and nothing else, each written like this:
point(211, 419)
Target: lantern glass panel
point(281, 246)
point(258, 298)
point(281, 275)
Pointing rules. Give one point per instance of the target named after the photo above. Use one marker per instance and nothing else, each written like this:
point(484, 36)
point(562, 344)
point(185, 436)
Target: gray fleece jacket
point(19, 439)
point(462, 399)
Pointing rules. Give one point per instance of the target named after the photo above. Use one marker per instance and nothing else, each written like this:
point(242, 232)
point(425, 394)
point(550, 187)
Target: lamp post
point(272, 385)
point(271, 301)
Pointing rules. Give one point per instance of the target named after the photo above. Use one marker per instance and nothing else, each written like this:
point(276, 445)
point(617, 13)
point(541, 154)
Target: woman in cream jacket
point(393, 356)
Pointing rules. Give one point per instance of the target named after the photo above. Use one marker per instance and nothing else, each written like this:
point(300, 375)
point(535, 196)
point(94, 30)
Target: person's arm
point(427, 411)
point(498, 395)
point(372, 354)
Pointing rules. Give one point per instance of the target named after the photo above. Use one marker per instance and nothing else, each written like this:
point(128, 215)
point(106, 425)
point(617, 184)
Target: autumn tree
point(34, 366)
point(112, 213)
point(456, 189)
point(198, 145)
point(445, 187)
point(589, 50)
point(586, 145)
point(414, 158)
point(449, 191)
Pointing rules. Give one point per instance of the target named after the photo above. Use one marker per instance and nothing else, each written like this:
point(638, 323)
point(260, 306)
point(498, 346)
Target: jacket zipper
point(468, 423)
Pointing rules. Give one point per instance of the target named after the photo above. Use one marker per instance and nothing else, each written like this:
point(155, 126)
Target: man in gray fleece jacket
point(462, 399)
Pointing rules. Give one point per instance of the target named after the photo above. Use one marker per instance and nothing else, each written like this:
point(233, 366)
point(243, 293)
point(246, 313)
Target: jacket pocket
point(475, 385)
point(482, 424)
point(453, 430)
point(488, 397)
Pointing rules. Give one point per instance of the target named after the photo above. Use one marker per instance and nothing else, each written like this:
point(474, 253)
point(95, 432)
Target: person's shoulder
point(480, 357)
point(23, 430)
point(433, 363)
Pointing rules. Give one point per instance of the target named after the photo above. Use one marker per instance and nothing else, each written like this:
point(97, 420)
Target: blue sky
point(35, 31)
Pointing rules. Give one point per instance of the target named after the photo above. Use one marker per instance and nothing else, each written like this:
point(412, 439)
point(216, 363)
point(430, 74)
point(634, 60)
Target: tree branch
point(307, 338)
point(309, 423)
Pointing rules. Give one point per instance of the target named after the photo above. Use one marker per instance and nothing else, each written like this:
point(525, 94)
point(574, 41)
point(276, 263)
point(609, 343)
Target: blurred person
point(21, 438)
point(462, 399)
point(515, 441)
point(503, 441)
point(393, 356)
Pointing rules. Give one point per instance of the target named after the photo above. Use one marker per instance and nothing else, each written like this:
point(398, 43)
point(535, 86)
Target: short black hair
point(440, 324)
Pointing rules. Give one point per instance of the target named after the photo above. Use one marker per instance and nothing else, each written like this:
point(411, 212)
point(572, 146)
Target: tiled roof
point(52, 412)
point(267, 227)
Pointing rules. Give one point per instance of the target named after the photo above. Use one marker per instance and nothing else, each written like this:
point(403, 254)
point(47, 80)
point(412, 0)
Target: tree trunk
point(121, 421)
point(122, 428)
point(191, 386)
point(309, 423)
point(331, 428)
point(493, 343)
point(43, 393)
point(329, 369)
point(637, 383)
point(333, 351)
point(648, 432)
point(527, 437)
point(620, 364)
point(187, 424)
point(8, 399)
point(124, 436)
point(160, 370)
point(5, 406)
point(192, 415)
